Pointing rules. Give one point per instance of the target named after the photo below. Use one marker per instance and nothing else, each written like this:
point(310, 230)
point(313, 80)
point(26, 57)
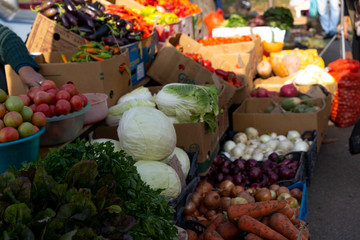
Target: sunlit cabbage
point(138, 93)
point(159, 175)
point(146, 134)
point(189, 103)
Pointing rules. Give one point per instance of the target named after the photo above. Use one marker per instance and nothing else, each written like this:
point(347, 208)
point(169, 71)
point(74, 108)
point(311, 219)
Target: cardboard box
point(90, 77)
point(251, 114)
point(46, 35)
point(193, 26)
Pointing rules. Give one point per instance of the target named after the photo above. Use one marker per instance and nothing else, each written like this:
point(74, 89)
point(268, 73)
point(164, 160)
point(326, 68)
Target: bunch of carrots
point(269, 220)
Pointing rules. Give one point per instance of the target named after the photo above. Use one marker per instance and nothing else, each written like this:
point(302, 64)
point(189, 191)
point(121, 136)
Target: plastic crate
point(300, 172)
point(180, 202)
point(304, 201)
point(312, 154)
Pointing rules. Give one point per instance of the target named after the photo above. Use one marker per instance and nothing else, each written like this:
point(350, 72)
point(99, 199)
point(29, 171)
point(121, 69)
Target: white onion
point(272, 144)
point(246, 156)
point(281, 152)
point(228, 145)
point(258, 150)
point(273, 135)
point(240, 137)
point(253, 143)
point(233, 159)
point(262, 146)
point(280, 138)
point(285, 145)
point(301, 146)
point(249, 151)
point(258, 156)
point(265, 138)
point(237, 152)
point(251, 132)
point(241, 145)
point(292, 134)
point(295, 140)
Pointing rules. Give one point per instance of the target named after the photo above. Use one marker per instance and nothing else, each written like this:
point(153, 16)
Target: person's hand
point(30, 77)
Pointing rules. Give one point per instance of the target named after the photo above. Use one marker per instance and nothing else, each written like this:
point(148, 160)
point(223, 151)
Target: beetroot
point(262, 92)
point(288, 90)
point(254, 92)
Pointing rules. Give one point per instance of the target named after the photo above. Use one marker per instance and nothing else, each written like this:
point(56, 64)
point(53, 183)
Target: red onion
point(288, 90)
point(250, 163)
point(255, 173)
point(237, 179)
point(273, 177)
point(262, 92)
point(253, 92)
point(256, 185)
point(273, 156)
point(217, 160)
point(230, 178)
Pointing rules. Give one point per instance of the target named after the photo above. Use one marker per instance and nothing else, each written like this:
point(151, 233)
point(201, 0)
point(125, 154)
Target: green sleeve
point(13, 50)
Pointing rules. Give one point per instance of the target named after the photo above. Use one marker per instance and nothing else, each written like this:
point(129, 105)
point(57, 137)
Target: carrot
point(287, 212)
point(191, 234)
point(228, 230)
point(212, 235)
point(252, 236)
point(266, 220)
point(251, 225)
point(255, 210)
point(305, 232)
point(283, 225)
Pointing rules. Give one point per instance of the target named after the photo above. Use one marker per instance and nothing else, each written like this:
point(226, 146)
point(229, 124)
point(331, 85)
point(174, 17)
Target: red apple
point(63, 94)
point(84, 98)
point(2, 125)
point(13, 119)
point(76, 103)
point(2, 110)
point(49, 83)
point(8, 134)
point(41, 97)
point(25, 99)
point(44, 108)
point(38, 119)
point(62, 107)
point(32, 91)
point(52, 108)
point(54, 91)
point(70, 88)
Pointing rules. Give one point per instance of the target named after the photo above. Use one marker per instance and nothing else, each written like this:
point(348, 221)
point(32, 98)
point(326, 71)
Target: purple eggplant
point(86, 19)
point(98, 5)
point(85, 29)
point(65, 21)
point(111, 41)
point(88, 12)
point(50, 12)
point(69, 6)
point(129, 26)
point(45, 5)
point(73, 20)
point(110, 16)
point(120, 23)
point(99, 33)
point(79, 2)
point(98, 12)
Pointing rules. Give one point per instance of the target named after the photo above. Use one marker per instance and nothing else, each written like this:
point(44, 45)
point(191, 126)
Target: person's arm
point(14, 52)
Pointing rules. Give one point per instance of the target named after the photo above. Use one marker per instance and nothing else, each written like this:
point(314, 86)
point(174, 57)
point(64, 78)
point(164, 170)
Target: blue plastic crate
point(304, 201)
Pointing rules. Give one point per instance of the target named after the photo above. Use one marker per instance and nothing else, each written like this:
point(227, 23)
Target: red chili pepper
point(179, 47)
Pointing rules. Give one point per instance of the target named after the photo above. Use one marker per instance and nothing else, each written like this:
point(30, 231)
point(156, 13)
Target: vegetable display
point(224, 40)
point(17, 119)
point(235, 20)
point(138, 199)
point(81, 206)
point(151, 14)
point(115, 25)
point(280, 17)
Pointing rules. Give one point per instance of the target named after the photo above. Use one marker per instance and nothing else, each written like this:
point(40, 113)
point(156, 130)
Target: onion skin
point(236, 190)
point(196, 198)
point(225, 188)
point(212, 200)
point(281, 190)
point(225, 203)
point(296, 193)
point(204, 187)
point(190, 208)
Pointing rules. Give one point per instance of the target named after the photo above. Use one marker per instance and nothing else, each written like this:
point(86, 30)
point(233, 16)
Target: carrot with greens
point(228, 230)
point(255, 210)
point(252, 236)
point(251, 225)
point(283, 225)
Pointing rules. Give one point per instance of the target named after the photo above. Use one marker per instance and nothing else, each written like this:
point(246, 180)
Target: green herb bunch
point(280, 17)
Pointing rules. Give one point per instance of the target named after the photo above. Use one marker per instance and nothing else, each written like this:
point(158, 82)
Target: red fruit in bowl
point(49, 83)
point(33, 107)
point(76, 103)
point(41, 97)
point(36, 129)
point(2, 110)
point(62, 107)
point(70, 88)
point(38, 119)
point(32, 91)
point(2, 125)
point(25, 99)
point(63, 94)
point(84, 98)
point(54, 91)
point(52, 108)
point(44, 108)
point(45, 88)
point(13, 119)
point(52, 98)
point(8, 134)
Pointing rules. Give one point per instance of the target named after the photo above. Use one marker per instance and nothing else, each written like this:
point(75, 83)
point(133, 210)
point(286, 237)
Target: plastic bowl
point(99, 108)
point(23, 150)
point(63, 128)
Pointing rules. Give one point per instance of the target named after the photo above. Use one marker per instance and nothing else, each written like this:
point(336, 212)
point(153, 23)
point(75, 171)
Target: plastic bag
point(313, 11)
point(214, 20)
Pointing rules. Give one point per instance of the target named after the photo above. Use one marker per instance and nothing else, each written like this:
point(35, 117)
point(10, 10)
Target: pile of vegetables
point(235, 20)
point(182, 8)
point(302, 104)
point(224, 40)
point(83, 205)
point(229, 212)
point(279, 17)
point(250, 145)
point(151, 14)
point(117, 170)
point(181, 103)
point(93, 22)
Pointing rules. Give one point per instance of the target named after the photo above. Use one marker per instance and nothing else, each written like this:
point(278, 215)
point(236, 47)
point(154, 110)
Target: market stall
point(148, 129)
